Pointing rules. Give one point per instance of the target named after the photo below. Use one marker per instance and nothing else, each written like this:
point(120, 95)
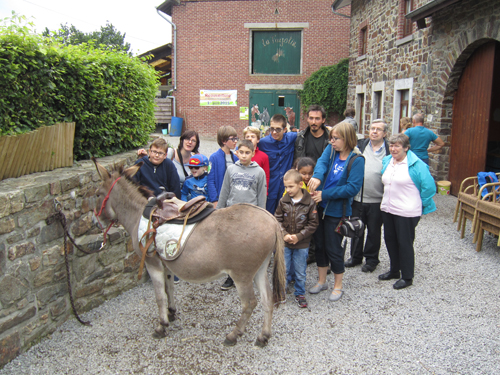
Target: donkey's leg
point(248, 303)
point(156, 272)
point(169, 289)
point(262, 282)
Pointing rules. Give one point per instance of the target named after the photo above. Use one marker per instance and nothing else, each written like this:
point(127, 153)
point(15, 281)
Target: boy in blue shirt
point(196, 184)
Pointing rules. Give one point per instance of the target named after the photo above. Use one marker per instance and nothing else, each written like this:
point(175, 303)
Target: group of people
point(310, 180)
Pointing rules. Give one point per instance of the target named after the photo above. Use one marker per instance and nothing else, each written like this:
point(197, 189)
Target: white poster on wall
point(218, 98)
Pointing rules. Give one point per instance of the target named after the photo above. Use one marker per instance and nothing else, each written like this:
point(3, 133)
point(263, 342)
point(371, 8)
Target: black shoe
point(368, 268)
point(389, 275)
point(352, 263)
point(402, 283)
point(228, 284)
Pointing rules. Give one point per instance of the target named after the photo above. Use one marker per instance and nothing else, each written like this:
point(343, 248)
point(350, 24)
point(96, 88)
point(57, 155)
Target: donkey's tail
point(279, 270)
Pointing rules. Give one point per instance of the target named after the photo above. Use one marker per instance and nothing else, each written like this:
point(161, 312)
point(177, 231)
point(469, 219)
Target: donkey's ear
point(131, 171)
point(103, 173)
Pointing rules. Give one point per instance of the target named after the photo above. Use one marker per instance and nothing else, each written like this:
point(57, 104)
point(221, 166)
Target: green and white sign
point(218, 98)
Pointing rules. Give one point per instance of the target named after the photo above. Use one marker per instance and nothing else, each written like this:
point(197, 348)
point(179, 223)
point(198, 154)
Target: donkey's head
point(116, 187)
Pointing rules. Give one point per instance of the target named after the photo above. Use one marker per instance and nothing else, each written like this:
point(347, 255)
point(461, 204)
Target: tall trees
point(109, 37)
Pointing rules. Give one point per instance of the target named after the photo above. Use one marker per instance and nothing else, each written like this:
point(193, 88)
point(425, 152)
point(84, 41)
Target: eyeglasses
point(376, 130)
point(157, 153)
point(336, 139)
point(191, 140)
point(233, 139)
point(275, 130)
point(195, 168)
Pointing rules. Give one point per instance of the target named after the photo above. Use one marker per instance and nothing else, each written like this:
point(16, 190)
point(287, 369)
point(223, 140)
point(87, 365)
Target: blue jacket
point(156, 176)
point(421, 177)
point(217, 163)
point(346, 188)
point(194, 187)
point(280, 155)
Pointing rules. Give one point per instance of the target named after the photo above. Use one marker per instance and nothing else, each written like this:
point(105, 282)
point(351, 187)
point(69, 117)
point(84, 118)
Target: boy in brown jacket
point(297, 215)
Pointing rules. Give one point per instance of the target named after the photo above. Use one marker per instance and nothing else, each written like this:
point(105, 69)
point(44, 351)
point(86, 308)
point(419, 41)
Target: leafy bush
point(108, 94)
point(327, 87)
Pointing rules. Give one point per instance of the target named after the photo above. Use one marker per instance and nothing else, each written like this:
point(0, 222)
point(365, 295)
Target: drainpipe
point(174, 45)
point(339, 14)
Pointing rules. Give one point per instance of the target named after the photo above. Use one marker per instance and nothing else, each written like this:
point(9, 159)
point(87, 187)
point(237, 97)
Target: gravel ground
point(447, 322)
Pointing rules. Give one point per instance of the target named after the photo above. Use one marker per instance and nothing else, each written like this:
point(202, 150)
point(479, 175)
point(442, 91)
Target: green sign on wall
point(276, 52)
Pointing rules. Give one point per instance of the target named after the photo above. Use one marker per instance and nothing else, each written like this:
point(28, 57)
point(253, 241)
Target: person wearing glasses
point(158, 173)
point(220, 160)
point(374, 149)
point(196, 183)
point(279, 147)
point(333, 188)
point(189, 143)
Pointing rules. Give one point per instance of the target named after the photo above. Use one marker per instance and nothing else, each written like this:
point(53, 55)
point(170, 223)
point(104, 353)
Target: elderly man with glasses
point(374, 149)
point(279, 146)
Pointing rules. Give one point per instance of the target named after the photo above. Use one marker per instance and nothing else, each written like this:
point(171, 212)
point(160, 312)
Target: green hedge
point(327, 87)
point(109, 94)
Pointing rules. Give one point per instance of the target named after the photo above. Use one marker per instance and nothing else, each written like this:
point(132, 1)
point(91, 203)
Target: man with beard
point(312, 141)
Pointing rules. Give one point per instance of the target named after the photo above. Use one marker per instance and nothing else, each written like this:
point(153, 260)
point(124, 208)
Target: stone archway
point(466, 119)
point(460, 50)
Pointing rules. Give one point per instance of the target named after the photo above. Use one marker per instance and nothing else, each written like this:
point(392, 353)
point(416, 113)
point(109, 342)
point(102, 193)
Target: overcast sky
point(143, 26)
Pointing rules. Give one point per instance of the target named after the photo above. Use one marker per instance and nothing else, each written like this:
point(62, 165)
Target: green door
point(264, 104)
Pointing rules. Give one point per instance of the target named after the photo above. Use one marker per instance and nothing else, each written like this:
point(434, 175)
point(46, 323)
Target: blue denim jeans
point(297, 257)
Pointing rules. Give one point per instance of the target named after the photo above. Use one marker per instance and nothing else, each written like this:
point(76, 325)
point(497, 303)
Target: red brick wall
point(213, 52)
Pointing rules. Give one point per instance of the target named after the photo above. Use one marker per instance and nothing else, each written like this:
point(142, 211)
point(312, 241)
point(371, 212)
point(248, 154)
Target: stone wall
point(433, 58)
point(214, 52)
point(34, 298)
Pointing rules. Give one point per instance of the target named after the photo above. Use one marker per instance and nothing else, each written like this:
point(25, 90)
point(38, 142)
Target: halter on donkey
point(238, 241)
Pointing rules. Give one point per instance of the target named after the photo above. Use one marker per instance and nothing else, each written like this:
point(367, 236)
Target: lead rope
point(59, 216)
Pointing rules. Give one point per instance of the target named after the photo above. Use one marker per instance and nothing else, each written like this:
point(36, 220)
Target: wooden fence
point(41, 150)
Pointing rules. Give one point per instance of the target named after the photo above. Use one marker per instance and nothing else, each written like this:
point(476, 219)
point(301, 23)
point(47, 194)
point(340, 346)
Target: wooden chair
point(469, 195)
point(487, 218)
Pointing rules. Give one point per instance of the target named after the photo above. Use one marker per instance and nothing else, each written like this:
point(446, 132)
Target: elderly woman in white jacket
point(408, 191)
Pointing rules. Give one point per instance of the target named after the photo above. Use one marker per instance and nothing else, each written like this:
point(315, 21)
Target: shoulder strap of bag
point(349, 165)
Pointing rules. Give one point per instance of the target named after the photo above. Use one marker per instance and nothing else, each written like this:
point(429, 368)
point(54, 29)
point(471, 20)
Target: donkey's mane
point(143, 190)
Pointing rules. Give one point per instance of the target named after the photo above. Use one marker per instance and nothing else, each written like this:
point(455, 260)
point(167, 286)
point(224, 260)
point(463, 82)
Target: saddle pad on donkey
point(167, 238)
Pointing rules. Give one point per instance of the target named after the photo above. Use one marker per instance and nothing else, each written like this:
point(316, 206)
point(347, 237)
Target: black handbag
point(352, 227)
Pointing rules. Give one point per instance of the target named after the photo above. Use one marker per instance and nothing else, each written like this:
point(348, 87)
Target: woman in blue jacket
point(331, 188)
point(408, 191)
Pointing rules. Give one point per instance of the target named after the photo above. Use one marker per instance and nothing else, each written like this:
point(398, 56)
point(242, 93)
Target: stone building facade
point(215, 51)
point(408, 56)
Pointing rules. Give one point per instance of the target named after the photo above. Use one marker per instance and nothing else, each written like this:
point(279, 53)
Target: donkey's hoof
point(261, 342)
point(172, 314)
point(160, 332)
point(228, 342)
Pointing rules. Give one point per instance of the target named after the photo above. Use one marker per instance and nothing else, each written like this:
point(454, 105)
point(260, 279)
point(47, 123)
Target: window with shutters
point(276, 52)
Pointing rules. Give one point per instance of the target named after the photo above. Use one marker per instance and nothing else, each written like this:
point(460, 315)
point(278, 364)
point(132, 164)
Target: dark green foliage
point(108, 94)
point(327, 87)
point(107, 38)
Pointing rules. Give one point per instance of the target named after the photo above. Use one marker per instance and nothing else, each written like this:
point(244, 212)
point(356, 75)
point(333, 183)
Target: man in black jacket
point(374, 149)
point(312, 141)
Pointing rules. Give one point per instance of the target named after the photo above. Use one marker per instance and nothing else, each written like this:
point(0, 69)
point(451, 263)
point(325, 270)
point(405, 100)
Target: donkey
point(238, 241)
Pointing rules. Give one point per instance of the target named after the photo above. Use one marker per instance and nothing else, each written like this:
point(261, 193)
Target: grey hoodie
point(243, 185)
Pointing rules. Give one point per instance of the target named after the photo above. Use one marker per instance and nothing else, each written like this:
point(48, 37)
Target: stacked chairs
point(487, 218)
point(469, 196)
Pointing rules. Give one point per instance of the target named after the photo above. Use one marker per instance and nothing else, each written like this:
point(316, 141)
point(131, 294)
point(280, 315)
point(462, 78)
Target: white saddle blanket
point(164, 234)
